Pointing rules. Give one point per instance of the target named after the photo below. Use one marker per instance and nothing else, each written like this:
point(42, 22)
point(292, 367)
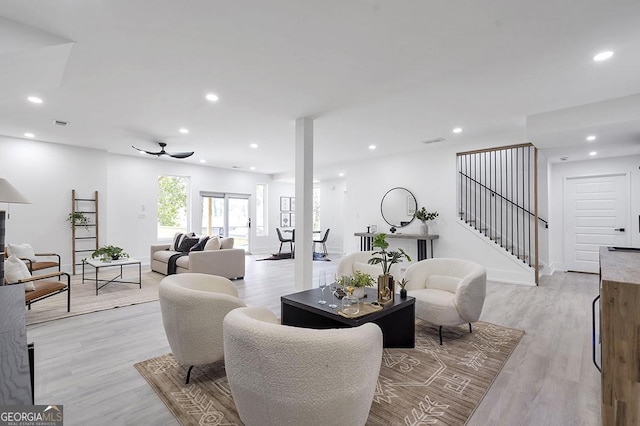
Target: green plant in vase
point(403, 291)
point(109, 252)
point(424, 216)
point(385, 258)
point(357, 282)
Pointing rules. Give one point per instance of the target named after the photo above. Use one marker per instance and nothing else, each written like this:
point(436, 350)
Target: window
point(262, 225)
point(173, 197)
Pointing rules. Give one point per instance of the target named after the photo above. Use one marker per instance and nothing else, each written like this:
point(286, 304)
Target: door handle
point(619, 229)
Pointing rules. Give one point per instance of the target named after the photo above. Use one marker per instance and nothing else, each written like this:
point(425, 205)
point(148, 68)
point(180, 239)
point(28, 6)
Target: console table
point(366, 240)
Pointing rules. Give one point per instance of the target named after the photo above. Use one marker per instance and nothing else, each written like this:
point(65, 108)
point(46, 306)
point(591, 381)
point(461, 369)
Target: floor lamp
point(8, 194)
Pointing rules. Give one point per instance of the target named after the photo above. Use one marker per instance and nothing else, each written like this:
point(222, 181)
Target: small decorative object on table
point(403, 291)
point(424, 216)
point(109, 253)
point(386, 259)
point(350, 303)
point(358, 282)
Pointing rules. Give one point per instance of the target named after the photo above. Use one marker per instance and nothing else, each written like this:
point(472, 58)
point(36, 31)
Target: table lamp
point(8, 194)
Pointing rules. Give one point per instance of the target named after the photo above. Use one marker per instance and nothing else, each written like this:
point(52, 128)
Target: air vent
point(564, 158)
point(436, 140)
point(60, 123)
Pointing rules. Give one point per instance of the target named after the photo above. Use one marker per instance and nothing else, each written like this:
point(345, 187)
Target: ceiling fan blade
point(180, 154)
point(148, 152)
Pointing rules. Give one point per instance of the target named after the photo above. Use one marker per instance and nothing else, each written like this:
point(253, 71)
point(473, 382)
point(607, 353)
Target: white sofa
point(224, 262)
point(193, 307)
point(281, 375)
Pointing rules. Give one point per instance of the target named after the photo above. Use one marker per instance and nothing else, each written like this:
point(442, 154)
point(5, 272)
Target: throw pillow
point(226, 243)
point(22, 251)
point(201, 243)
point(15, 270)
point(212, 244)
point(176, 241)
point(186, 243)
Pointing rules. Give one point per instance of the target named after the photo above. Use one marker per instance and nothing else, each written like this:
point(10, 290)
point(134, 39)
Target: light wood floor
point(86, 362)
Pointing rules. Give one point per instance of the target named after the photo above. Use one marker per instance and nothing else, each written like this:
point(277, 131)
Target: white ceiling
point(384, 72)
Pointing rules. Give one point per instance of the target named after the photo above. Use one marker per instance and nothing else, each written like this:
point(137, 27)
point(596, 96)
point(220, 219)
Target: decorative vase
point(358, 292)
point(424, 228)
point(385, 289)
point(403, 293)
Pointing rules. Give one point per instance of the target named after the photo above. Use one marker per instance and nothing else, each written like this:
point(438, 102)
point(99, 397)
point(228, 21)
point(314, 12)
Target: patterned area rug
point(84, 299)
point(430, 384)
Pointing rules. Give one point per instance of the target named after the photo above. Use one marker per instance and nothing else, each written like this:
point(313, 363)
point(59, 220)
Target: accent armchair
point(193, 306)
point(448, 292)
point(281, 375)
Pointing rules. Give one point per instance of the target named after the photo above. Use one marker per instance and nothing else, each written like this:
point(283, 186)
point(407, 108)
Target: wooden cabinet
point(620, 334)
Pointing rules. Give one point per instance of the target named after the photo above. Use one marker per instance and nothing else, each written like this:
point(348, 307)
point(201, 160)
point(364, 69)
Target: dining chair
point(322, 241)
point(284, 240)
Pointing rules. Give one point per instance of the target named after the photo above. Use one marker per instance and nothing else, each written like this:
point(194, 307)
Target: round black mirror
point(398, 207)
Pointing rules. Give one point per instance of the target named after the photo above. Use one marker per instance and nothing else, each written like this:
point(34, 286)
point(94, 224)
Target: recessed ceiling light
point(591, 138)
point(203, 161)
point(141, 152)
point(252, 168)
point(603, 56)
point(457, 130)
point(254, 145)
point(30, 135)
point(184, 131)
point(372, 147)
point(341, 174)
point(212, 97)
point(34, 99)
point(592, 153)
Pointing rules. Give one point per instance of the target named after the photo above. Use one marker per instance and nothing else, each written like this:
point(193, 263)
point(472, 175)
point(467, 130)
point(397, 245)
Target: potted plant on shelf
point(424, 216)
point(359, 281)
point(108, 253)
point(385, 258)
point(78, 219)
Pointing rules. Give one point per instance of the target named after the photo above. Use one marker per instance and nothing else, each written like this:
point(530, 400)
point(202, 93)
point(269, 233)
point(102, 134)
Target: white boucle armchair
point(281, 375)
point(448, 292)
point(193, 306)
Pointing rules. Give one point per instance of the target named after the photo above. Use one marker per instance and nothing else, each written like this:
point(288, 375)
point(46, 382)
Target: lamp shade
point(8, 194)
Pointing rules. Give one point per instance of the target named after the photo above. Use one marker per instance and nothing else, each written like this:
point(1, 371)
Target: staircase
point(497, 190)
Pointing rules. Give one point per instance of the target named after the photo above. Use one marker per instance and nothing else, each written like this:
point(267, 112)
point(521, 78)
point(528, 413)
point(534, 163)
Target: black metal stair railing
point(496, 196)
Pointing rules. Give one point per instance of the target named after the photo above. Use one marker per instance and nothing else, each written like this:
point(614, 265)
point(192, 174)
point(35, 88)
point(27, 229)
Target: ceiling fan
point(163, 152)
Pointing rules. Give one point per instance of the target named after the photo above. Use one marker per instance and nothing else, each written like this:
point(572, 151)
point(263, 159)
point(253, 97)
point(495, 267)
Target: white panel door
point(596, 213)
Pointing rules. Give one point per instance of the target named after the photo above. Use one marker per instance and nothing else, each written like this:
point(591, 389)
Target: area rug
point(430, 384)
point(84, 299)
point(277, 256)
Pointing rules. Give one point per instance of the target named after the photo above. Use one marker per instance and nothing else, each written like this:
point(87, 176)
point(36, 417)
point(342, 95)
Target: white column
point(304, 204)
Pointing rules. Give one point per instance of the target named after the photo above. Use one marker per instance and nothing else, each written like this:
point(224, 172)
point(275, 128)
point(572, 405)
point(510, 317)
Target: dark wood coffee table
point(397, 321)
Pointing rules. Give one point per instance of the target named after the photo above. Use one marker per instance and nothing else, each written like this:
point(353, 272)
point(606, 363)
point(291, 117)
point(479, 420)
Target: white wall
point(332, 198)
point(557, 175)
point(431, 176)
point(46, 173)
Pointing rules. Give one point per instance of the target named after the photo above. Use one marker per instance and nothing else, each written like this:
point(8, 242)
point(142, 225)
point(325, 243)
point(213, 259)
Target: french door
point(227, 215)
